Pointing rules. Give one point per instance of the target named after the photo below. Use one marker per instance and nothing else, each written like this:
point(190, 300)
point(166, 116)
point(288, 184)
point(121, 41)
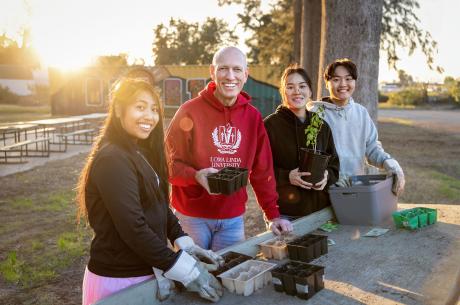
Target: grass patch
point(44, 262)
point(19, 203)
point(393, 106)
point(59, 201)
point(54, 202)
point(448, 187)
point(11, 267)
point(71, 243)
point(37, 245)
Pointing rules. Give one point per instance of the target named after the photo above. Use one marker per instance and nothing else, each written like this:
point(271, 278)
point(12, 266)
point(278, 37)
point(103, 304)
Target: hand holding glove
point(393, 168)
point(210, 260)
point(195, 277)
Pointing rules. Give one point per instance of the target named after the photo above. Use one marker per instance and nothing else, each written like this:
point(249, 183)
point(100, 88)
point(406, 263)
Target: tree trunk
point(351, 28)
point(297, 29)
point(334, 29)
point(310, 40)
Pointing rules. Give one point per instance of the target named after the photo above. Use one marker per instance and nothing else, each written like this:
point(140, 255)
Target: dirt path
point(441, 120)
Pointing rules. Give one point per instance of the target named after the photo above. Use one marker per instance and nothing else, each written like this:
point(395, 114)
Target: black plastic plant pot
point(289, 281)
point(305, 284)
point(306, 251)
point(213, 181)
point(242, 175)
point(228, 256)
point(292, 248)
point(323, 242)
point(319, 273)
point(231, 259)
point(314, 163)
point(316, 241)
point(277, 278)
point(227, 184)
point(305, 248)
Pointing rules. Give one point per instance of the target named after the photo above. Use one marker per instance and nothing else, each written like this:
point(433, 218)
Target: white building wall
point(20, 87)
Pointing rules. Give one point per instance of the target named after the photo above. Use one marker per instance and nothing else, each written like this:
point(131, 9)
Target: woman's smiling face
point(140, 116)
point(341, 86)
point(296, 92)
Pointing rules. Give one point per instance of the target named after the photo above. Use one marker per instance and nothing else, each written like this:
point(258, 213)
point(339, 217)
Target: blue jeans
point(214, 234)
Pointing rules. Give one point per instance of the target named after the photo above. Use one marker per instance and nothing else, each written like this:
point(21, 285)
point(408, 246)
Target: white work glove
point(280, 226)
point(195, 277)
point(201, 177)
point(393, 168)
point(210, 260)
point(165, 285)
point(344, 181)
point(207, 286)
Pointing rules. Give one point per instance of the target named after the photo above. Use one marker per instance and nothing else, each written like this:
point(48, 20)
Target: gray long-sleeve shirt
point(355, 136)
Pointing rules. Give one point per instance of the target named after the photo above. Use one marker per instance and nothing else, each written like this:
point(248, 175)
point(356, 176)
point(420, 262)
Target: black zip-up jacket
point(287, 136)
point(130, 216)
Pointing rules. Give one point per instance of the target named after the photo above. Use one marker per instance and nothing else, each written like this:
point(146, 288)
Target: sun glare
point(58, 59)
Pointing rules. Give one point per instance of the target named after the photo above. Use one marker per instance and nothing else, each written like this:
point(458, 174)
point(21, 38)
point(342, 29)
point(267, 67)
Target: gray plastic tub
point(369, 201)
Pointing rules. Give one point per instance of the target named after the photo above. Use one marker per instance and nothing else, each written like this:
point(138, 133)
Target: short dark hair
point(292, 69)
point(329, 72)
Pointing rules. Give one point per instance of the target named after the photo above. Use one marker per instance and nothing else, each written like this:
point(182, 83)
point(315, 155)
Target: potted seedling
point(313, 160)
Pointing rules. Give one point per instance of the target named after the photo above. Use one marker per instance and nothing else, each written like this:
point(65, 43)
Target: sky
point(69, 33)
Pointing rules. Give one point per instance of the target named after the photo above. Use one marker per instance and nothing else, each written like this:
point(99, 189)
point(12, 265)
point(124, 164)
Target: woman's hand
point(295, 178)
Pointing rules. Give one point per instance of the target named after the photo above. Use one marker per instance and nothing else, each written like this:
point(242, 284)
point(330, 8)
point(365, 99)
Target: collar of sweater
point(290, 116)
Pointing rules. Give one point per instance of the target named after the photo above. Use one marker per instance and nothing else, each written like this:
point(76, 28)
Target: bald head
point(229, 71)
point(225, 51)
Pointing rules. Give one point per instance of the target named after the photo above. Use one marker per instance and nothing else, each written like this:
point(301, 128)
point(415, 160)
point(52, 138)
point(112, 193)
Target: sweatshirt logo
point(226, 138)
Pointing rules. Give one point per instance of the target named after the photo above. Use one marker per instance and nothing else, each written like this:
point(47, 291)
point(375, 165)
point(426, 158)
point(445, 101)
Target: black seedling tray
point(299, 279)
point(228, 180)
point(232, 259)
point(307, 247)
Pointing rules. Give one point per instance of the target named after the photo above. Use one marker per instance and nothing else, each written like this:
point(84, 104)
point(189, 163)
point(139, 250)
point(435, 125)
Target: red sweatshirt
point(204, 133)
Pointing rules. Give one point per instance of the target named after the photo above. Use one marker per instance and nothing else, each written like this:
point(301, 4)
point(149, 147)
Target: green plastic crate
point(415, 218)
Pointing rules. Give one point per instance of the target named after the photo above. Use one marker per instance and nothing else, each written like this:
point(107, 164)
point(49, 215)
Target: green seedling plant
point(314, 128)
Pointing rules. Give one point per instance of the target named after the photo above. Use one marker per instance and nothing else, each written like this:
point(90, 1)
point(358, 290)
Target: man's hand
point(393, 168)
point(201, 177)
point(280, 226)
point(320, 185)
point(295, 178)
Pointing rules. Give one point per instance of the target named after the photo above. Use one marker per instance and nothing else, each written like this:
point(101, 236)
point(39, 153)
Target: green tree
point(453, 87)
point(183, 43)
point(272, 41)
point(7, 97)
point(404, 78)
